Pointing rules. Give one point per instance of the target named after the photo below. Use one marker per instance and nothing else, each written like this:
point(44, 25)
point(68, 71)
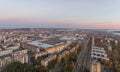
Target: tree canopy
point(18, 67)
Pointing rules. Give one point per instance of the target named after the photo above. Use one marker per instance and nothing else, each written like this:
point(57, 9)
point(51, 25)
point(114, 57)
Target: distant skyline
point(91, 14)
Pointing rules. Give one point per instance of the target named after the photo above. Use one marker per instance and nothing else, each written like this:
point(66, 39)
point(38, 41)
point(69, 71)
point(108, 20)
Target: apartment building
point(5, 60)
point(48, 59)
point(95, 66)
point(39, 54)
point(18, 56)
point(98, 52)
point(5, 52)
point(61, 55)
point(56, 48)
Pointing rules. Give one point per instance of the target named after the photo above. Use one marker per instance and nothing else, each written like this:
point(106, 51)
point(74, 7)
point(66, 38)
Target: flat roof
point(40, 44)
point(54, 40)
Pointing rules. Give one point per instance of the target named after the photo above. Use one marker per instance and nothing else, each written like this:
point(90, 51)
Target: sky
point(92, 14)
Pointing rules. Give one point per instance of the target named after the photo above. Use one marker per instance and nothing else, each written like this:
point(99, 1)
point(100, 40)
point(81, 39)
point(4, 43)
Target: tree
point(18, 67)
point(41, 69)
point(58, 60)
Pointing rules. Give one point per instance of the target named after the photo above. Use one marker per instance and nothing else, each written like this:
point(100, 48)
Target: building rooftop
point(40, 44)
point(53, 41)
point(43, 45)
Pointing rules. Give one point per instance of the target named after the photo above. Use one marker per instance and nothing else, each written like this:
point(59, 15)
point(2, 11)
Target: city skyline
point(95, 14)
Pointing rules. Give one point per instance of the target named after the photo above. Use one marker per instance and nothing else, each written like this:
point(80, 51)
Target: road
point(83, 58)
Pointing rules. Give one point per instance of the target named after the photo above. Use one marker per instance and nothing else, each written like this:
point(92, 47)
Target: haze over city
point(90, 14)
point(59, 35)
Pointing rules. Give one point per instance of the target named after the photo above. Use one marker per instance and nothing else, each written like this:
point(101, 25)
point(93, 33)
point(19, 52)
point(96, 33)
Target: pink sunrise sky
point(94, 14)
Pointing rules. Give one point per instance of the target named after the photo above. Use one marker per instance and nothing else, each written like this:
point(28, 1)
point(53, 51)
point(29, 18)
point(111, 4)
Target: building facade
point(95, 67)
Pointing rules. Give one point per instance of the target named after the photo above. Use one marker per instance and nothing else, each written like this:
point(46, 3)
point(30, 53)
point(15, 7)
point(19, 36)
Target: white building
point(20, 56)
point(5, 60)
point(109, 48)
point(98, 52)
point(5, 52)
point(14, 47)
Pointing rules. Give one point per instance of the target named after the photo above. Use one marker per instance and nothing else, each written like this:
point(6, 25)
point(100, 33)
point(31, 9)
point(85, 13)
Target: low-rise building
point(20, 56)
point(48, 59)
point(61, 55)
point(14, 47)
point(5, 60)
point(39, 54)
point(47, 47)
point(5, 52)
point(56, 48)
point(23, 58)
